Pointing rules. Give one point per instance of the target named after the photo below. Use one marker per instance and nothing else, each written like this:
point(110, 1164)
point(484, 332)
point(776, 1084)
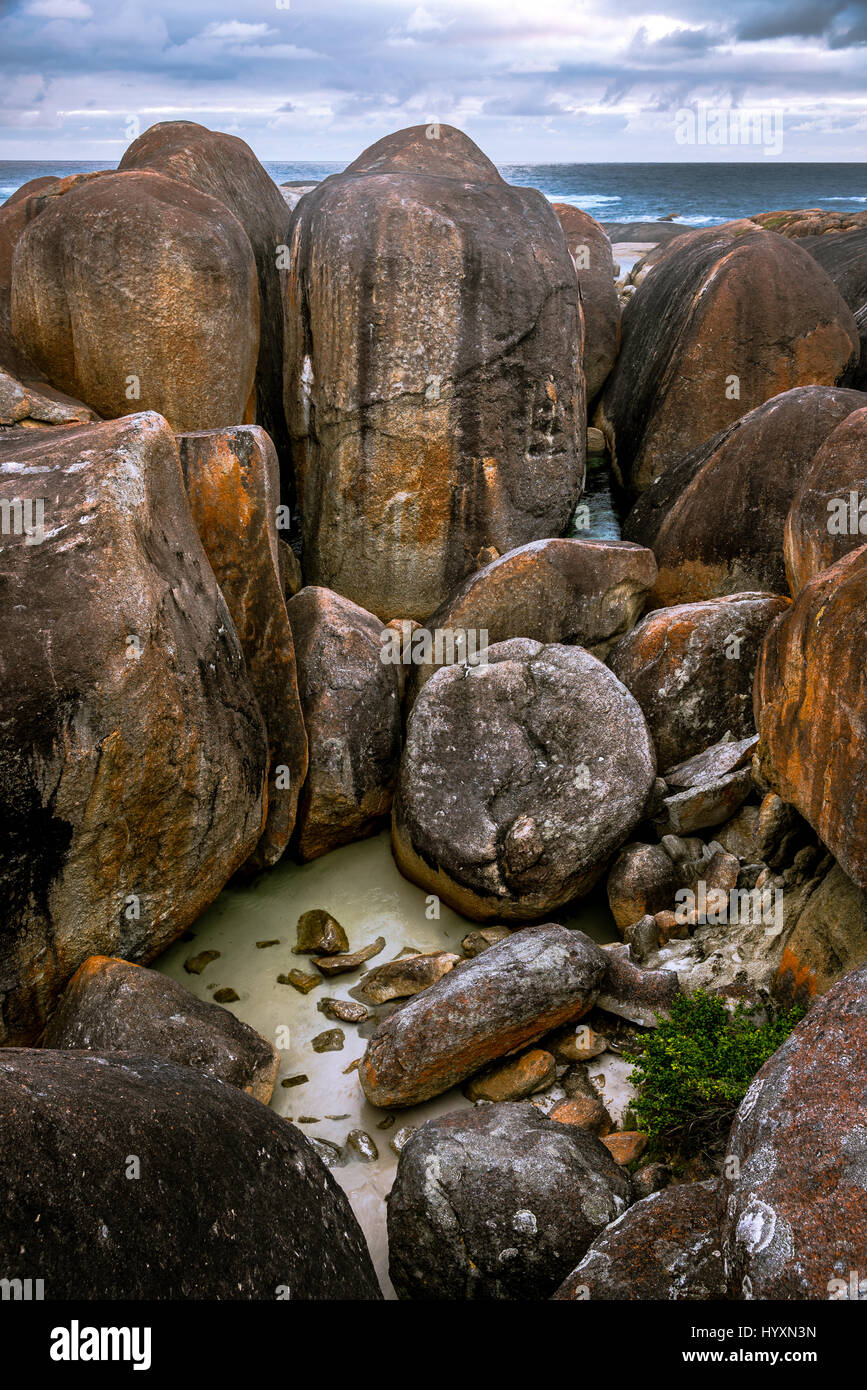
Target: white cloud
point(421, 21)
point(235, 31)
point(60, 9)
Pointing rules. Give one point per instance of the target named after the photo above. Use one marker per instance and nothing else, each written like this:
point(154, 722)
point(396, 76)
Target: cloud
point(60, 9)
point(324, 78)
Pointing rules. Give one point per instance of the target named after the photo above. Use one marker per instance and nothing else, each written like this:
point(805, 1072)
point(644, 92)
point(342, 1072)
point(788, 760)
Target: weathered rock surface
point(811, 709)
point(796, 1212)
point(232, 482)
point(519, 780)
point(132, 290)
point(225, 168)
point(111, 1005)
point(827, 940)
point(196, 1220)
point(504, 999)
point(810, 222)
point(351, 706)
point(133, 749)
point(843, 257)
point(666, 1247)
point(691, 668)
point(33, 403)
point(433, 371)
point(495, 1202)
point(828, 515)
point(715, 519)
point(586, 592)
point(591, 253)
point(728, 318)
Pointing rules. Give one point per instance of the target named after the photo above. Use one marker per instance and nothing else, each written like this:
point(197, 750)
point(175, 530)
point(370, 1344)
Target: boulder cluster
point(292, 549)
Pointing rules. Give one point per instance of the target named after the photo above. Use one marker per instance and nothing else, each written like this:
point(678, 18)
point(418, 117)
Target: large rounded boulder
point(828, 515)
point(184, 1188)
point(225, 168)
point(520, 778)
point(795, 1190)
point(132, 747)
point(691, 670)
point(811, 709)
point(728, 318)
point(133, 291)
point(497, 1203)
point(715, 520)
point(591, 252)
point(434, 387)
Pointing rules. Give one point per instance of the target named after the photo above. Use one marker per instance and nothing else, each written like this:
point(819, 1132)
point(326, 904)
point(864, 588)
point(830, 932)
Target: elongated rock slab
point(509, 996)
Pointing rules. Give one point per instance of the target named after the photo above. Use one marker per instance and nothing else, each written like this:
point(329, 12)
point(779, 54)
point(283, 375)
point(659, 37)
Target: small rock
point(194, 965)
point(516, 1079)
point(642, 880)
point(595, 441)
point(299, 980)
point(319, 934)
point(626, 1145)
point(343, 1010)
point(298, 1080)
point(478, 941)
point(400, 1136)
point(722, 871)
point(724, 757)
point(634, 994)
point(399, 979)
point(331, 1040)
point(226, 996)
point(668, 928)
point(576, 1044)
point(328, 1152)
point(262, 945)
point(343, 964)
point(584, 1111)
point(707, 805)
point(653, 1177)
point(361, 1144)
point(643, 936)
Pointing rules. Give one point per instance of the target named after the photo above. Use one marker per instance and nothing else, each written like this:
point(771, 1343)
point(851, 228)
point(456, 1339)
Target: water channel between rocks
point(360, 886)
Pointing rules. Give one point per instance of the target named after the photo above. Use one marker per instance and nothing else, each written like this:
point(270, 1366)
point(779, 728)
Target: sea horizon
point(692, 192)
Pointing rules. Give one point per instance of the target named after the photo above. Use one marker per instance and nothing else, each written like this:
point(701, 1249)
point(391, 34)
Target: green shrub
point(695, 1069)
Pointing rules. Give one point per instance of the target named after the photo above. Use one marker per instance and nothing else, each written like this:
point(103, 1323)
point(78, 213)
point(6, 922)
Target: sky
point(532, 81)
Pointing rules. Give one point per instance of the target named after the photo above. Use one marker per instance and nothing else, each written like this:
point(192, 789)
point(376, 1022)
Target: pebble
point(300, 981)
point(331, 1040)
point(342, 964)
point(400, 1136)
point(583, 1111)
point(362, 1145)
point(226, 996)
point(478, 941)
point(626, 1145)
point(319, 934)
point(262, 945)
point(194, 965)
point(298, 1080)
point(343, 1010)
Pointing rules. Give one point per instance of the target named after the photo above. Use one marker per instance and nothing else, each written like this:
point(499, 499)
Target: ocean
point(698, 194)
